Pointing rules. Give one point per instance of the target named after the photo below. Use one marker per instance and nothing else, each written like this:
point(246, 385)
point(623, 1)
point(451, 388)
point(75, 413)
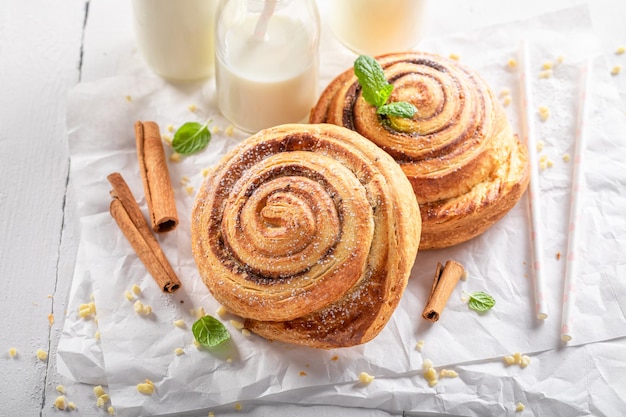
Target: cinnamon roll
point(309, 232)
point(465, 165)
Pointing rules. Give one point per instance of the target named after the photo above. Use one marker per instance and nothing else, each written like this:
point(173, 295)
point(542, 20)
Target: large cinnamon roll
point(309, 232)
point(466, 166)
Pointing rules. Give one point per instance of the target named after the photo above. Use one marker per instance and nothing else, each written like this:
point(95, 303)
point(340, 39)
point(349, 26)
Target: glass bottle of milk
point(267, 64)
point(175, 37)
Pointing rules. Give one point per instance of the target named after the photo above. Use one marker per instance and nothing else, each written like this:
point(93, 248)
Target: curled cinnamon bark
point(128, 216)
point(444, 282)
point(156, 178)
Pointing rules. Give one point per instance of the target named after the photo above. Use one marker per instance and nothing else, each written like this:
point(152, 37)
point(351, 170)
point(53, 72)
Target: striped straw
point(541, 308)
point(574, 213)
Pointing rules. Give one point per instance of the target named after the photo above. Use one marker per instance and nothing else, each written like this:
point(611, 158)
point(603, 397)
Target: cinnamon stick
point(443, 283)
point(156, 177)
point(127, 214)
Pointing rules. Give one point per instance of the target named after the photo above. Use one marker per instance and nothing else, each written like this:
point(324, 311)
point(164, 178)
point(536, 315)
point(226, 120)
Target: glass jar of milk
point(176, 37)
point(375, 27)
point(267, 64)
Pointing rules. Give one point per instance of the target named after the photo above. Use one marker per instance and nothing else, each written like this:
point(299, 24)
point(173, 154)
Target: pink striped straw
point(541, 308)
point(574, 211)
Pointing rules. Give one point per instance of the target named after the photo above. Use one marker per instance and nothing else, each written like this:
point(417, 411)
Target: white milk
point(176, 37)
point(374, 27)
point(264, 83)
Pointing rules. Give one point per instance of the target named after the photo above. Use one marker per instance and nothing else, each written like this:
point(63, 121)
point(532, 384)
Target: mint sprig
point(377, 90)
point(191, 137)
point(480, 301)
point(209, 331)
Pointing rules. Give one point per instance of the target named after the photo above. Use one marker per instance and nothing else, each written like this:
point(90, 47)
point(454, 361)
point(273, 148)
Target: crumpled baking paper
point(133, 347)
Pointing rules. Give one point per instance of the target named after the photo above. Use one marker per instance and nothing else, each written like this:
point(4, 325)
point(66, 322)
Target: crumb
point(129, 296)
point(98, 391)
point(170, 128)
point(129, 98)
point(71, 406)
point(229, 359)
point(238, 406)
point(506, 101)
point(146, 388)
point(544, 113)
point(620, 50)
point(419, 346)
point(236, 324)
point(547, 65)
point(13, 352)
point(545, 74)
point(365, 378)
point(302, 373)
point(184, 180)
point(229, 130)
point(211, 414)
point(549, 163)
point(216, 129)
point(454, 57)
point(179, 351)
point(517, 359)
point(512, 63)
point(246, 332)
point(221, 311)
point(505, 92)
point(448, 373)
point(205, 171)
point(60, 403)
point(189, 190)
point(111, 410)
point(540, 145)
point(136, 289)
point(96, 335)
point(179, 323)
point(192, 108)
point(616, 70)
point(60, 389)
point(519, 407)
point(566, 157)
point(51, 319)
point(200, 313)
point(558, 256)
point(167, 139)
point(42, 355)
point(175, 157)
point(334, 358)
point(560, 59)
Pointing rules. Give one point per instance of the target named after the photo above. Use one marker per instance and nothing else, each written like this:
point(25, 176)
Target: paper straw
point(261, 25)
point(574, 211)
point(541, 308)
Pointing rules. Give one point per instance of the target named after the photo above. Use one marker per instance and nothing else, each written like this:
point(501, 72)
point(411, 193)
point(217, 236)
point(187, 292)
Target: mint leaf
point(375, 87)
point(209, 331)
point(191, 137)
point(398, 109)
point(480, 301)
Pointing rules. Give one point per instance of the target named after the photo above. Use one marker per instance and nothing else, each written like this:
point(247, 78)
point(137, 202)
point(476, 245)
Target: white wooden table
point(46, 48)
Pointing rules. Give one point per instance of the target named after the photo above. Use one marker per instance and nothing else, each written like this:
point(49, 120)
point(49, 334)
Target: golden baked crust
point(309, 232)
point(466, 166)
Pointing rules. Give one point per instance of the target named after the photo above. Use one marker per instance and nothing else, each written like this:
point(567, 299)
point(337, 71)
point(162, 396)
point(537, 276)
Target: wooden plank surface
point(46, 47)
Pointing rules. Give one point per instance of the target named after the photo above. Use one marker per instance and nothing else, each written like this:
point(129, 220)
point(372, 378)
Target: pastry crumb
point(170, 128)
point(558, 256)
point(544, 113)
point(229, 130)
point(60, 389)
point(448, 373)
point(192, 108)
point(238, 406)
point(616, 70)
point(620, 50)
point(546, 74)
point(60, 403)
point(566, 157)
point(175, 157)
point(506, 101)
point(13, 352)
point(517, 359)
point(519, 407)
point(512, 63)
point(540, 145)
point(548, 65)
point(420, 345)
point(236, 324)
point(128, 98)
point(302, 373)
point(42, 355)
point(365, 378)
point(179, 351)
point(146, 388)
point(454, 57)
point(180, 323)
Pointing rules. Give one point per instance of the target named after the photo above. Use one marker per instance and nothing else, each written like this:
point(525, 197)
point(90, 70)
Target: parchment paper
point(133, 347)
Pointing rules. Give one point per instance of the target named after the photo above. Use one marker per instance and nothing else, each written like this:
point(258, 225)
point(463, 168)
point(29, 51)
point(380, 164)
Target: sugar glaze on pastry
point(309, 232)
point(466, 166)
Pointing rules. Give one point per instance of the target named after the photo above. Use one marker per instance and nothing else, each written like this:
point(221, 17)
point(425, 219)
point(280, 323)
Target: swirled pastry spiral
point(466, 166)
point(309, 232)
